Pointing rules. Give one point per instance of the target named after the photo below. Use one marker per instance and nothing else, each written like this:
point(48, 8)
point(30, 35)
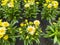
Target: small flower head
point(0, 22)
point(22, 24)
point(55, 4)
point(11, 4)
point(5, 37)
point(49, 6)
point(1, 36)
point(36, 22)
point(4, 2)
point(27, 5)
point(5, 24)
point(54, 23)
point(2, 30)
point(45, 4)
point(37, 3)
point(47, 1)
point(31, 30)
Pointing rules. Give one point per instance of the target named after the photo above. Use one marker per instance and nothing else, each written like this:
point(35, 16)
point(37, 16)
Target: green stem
point(25, 42)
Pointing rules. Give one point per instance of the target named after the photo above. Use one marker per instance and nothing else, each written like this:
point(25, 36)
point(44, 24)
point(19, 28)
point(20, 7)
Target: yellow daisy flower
point(49, 6)
point(5, 24)
point(4, 2)
point(5, 37)
point(55, 4)
point(2, 30)
point(11, 4)
point(31, 30)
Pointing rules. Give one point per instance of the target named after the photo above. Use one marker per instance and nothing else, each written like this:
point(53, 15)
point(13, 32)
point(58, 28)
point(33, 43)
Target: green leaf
point(55, 39)
point(51, 28)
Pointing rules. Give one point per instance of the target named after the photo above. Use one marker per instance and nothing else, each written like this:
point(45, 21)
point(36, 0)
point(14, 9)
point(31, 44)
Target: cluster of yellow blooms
point(51, 3)
point(28, 3)
point(8, 3)
point(31, 26)
point(3, 29)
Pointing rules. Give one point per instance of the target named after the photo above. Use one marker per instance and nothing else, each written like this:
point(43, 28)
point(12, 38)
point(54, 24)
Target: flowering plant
point(10, 9)
point(30, 8)
point(53, 32)
point(7, 33)
point(49, 10)
point(30, 31)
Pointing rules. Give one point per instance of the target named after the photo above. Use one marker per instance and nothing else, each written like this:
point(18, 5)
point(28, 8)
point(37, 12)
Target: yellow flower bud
point(27, 5)
point(27, 37)
point(37, 34)
point(30, 23)
point(26, 20)
point(45, 4)
point(36, 22)
point(37, 3)
point(22, 24)
point(54, 23)
point(21, 32)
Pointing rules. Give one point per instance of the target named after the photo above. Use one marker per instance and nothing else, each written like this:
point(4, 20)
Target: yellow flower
point(20, 29)
point(54, 23)
point(49, 6)
point(31, 30)
point(4, 2)
point(37, 3)
point(36, 22)
point(47, 1)
point(30, 23)
point(21, 32)
point(11, 4)
point(45, 4)
point(26, 20)
point(22, 24)
point(2, 30)
point(31, 2)
point(25, 1)
point(5, 37)
point(0, 22)
point(1, 36)
point(27, 5)
point(5, 24)
point(55, 4)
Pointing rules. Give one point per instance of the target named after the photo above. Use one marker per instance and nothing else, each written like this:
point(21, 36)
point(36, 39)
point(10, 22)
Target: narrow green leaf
point(55, 39)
